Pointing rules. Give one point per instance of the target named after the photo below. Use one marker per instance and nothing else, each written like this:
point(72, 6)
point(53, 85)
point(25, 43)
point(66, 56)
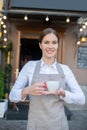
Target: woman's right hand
point(35, 89)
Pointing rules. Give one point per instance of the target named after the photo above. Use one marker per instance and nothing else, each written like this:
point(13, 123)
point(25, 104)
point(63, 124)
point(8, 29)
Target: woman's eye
point(46, 42)
point(55, 42)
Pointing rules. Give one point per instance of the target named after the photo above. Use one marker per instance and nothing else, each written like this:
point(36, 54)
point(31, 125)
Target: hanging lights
point(82, 22)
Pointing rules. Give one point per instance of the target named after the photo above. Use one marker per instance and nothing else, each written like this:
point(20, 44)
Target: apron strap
point(60, 70)
point(38, 66)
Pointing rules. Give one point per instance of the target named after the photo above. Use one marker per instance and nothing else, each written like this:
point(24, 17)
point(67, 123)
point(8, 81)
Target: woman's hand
point(35, 89)
point(40, 89)
point(61, 92)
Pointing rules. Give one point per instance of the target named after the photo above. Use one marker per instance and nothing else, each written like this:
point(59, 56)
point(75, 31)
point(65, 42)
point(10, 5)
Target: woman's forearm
point(25, 92)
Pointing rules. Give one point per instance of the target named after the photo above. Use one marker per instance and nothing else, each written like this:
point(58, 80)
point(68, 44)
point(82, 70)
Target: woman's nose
point(50, 45)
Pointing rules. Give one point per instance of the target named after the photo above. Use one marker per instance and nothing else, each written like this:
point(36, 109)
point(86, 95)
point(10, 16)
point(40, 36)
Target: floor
point(78, 122)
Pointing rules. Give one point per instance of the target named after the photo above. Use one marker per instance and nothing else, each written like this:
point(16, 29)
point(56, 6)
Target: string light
point(25, 17)
point(5, 31)
point(83, 26)
point(4, 26)
point(2, 22)
point(4, 17)
point(81, 29)
point(5, 39)
point(78, 42)
point(47, 18)
point(86, 23)
point(82, 22)
point(68, 20)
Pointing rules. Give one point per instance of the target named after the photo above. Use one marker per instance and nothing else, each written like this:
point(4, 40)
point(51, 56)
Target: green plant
point(1, 83)
point(7, 77)
point(8, 46)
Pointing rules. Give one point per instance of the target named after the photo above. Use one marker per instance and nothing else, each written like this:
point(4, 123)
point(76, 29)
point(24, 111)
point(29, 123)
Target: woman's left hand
point(59, 92)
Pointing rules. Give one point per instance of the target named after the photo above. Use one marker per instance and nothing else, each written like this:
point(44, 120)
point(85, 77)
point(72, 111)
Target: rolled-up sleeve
point(75, 94)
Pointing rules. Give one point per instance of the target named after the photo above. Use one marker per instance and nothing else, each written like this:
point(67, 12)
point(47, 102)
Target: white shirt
point(75, 95)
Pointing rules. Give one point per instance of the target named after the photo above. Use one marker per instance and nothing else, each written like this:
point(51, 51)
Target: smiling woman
point(46, 110)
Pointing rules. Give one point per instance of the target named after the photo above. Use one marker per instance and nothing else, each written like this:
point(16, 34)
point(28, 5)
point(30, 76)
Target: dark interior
point(29, 51)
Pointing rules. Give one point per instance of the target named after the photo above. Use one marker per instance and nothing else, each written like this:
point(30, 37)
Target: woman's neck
point(49, 61)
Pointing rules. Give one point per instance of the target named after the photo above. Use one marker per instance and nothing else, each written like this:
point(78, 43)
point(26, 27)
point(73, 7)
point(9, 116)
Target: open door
point(29, 50)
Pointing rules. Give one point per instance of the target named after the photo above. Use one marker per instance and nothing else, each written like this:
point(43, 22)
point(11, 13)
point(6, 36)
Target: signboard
point(70, 5)
point(82, 57)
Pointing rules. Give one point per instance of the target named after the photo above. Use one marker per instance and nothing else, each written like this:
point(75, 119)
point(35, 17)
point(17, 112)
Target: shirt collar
point(53, 65)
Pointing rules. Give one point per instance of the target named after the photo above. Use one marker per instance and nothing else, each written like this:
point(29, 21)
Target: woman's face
point(49, 45)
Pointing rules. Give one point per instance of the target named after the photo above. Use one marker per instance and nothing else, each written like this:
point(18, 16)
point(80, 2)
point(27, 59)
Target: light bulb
point(84, 26)
point(2, 22)
point(5, 39)
point(81, 29)
point(4, 26)
point(78, 42)
point(47, 18)
point(68, 20)
point(4, 17)
point(25, 18)
point(86, 23)
point(5, 31)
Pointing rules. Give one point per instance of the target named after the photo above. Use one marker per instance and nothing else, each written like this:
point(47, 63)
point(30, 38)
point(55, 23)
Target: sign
point(82, 57)
point(70, 5)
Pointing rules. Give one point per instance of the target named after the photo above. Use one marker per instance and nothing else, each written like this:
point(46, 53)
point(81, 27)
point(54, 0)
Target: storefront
point(39, 15)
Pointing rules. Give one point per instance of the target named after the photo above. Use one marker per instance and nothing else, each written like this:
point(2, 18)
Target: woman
point(46, 111)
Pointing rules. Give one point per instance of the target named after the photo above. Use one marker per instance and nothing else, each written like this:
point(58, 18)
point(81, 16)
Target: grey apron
point(46, 112)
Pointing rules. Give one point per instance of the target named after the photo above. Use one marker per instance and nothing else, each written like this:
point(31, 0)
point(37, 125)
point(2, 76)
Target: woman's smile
point(50, 51)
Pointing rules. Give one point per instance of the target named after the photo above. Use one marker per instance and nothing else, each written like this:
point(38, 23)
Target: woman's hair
point(47, 31)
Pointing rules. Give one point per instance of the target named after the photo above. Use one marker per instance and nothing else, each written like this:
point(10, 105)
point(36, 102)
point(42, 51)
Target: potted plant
point(3, 102)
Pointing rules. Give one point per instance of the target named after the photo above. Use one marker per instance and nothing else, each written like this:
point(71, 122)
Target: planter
point(3, 107)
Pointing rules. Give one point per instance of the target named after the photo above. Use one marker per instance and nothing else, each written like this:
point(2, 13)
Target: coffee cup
point(52, 86)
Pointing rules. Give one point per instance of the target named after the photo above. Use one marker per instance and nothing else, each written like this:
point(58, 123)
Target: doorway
point(29, 50)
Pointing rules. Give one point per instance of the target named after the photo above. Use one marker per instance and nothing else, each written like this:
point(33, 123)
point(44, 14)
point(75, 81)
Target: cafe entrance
point(29, 50)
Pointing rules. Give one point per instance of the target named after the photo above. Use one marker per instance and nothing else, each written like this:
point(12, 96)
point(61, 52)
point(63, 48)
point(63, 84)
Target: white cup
point(52, 85)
